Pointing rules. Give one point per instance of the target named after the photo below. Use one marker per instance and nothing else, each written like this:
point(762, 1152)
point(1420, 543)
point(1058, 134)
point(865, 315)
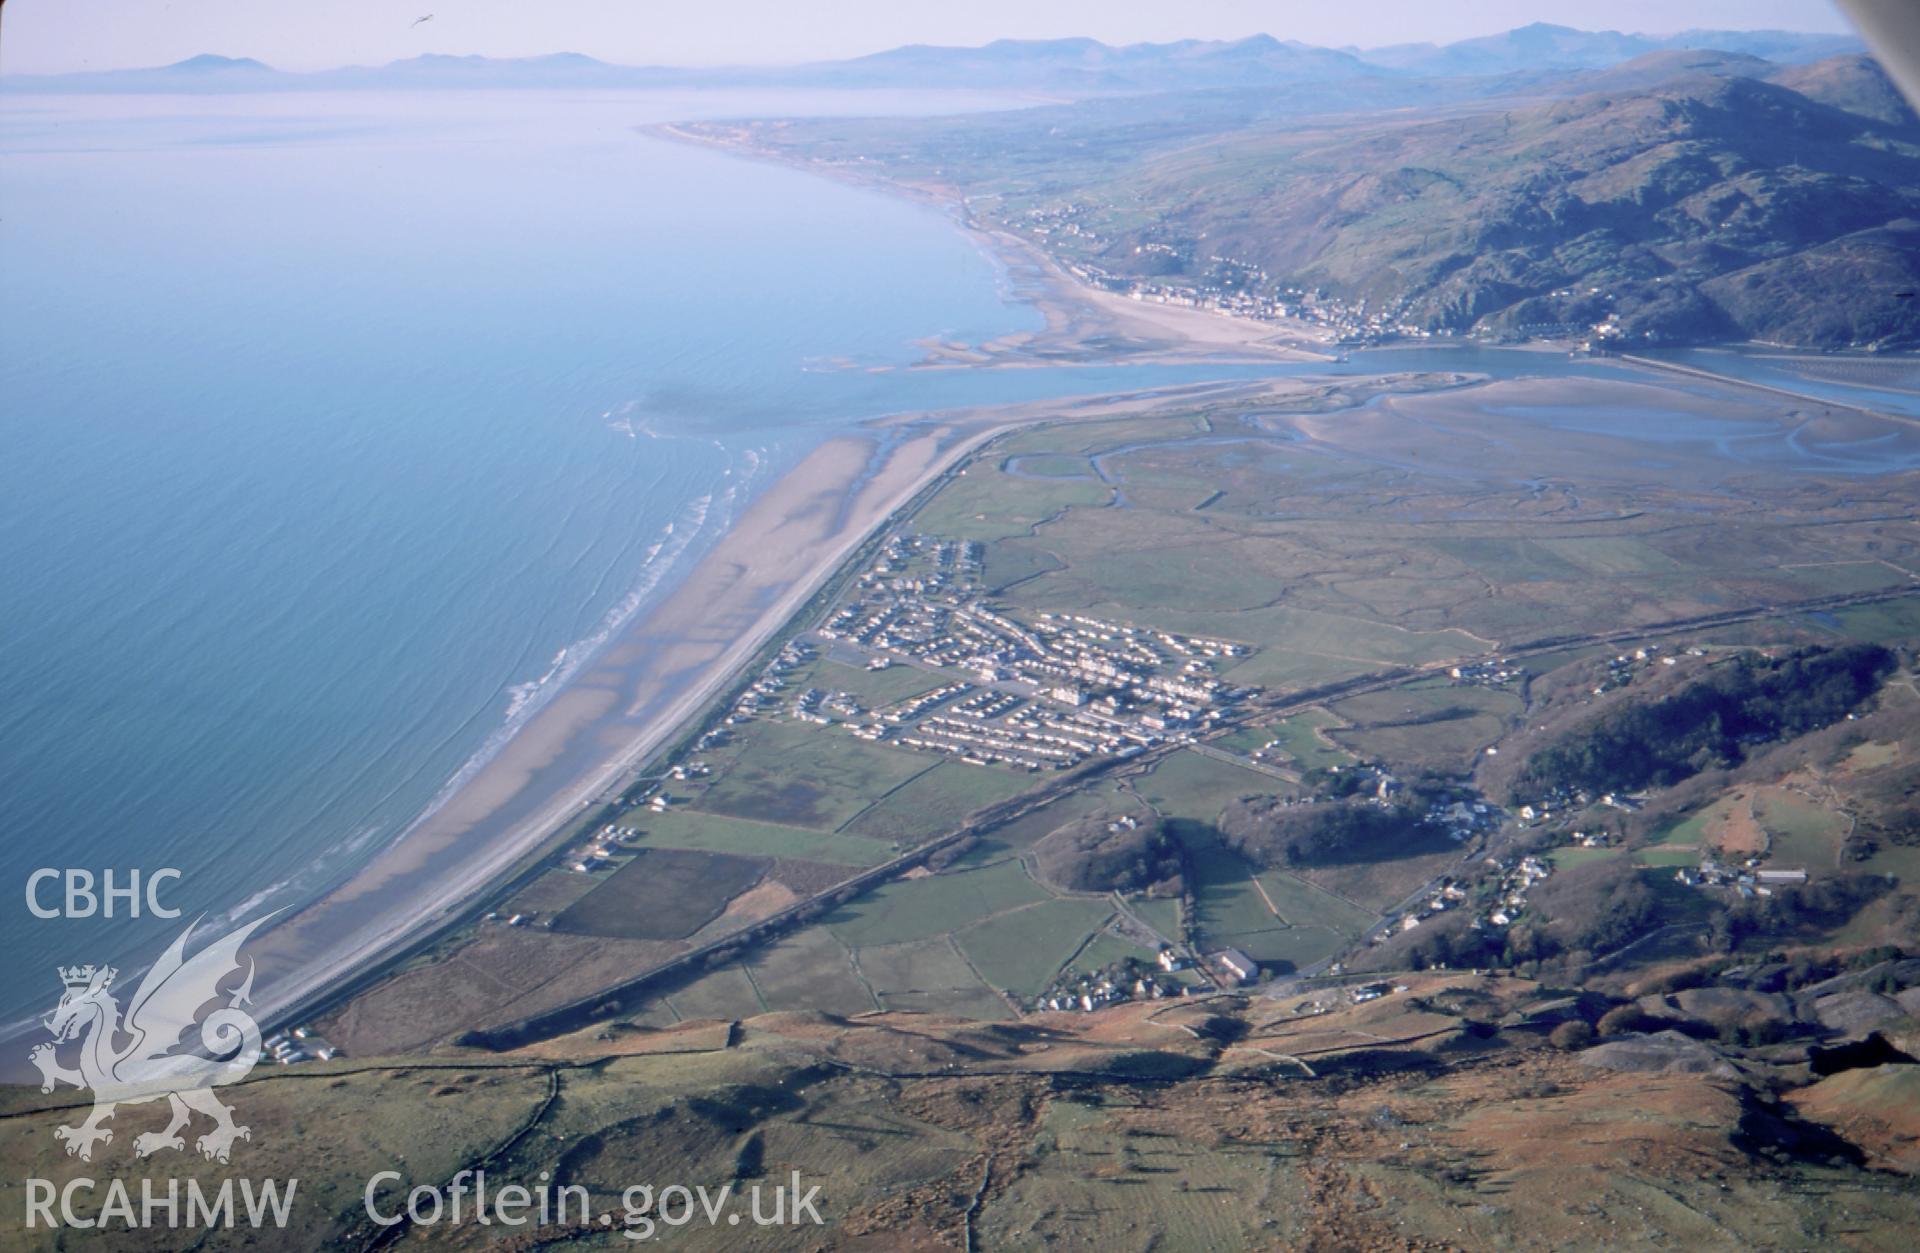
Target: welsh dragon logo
point(143, 1058)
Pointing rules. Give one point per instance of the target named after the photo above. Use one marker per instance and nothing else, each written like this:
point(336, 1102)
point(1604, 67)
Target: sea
point(337, 430)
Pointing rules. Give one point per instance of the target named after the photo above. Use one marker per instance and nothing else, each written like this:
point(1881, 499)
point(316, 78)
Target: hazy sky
point(46, 36)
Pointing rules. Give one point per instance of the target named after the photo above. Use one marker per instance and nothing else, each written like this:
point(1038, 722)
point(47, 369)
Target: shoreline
point(1173, 332)
point(1077, 313)
point(488, 828)
point(439, 857)
point(1655, 365)
point(653, 679)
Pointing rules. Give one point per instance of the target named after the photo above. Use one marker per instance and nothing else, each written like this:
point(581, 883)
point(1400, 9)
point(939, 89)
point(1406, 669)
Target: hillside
point(1106, 852)
point(1853, 83)
point(1681, 197)
point(1453, 1111)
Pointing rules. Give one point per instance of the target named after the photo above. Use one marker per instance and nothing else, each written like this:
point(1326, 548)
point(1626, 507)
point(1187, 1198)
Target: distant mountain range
point(1072, 66)
point(208, 74)
point(1546, 47)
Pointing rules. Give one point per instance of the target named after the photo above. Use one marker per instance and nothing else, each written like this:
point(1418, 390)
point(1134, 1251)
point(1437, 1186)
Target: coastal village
point(1243, 289)
point(1038, 691)
point(1044, 694)
point(1231, 286)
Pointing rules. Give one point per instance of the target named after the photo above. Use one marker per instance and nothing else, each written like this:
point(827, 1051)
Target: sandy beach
point(1079, 313)
point(647, 682)
point(661, 671)
point(1081, 320)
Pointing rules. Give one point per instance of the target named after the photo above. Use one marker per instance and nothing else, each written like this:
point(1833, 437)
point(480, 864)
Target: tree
point(1709, 723)
point(1571, 1035)
point(1625, 1020)
point(1269, 832)
point(1106, 852)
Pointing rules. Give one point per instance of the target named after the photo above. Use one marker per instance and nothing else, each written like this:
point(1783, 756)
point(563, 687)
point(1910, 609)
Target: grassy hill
point(1687, 196)
point(1455, 1112)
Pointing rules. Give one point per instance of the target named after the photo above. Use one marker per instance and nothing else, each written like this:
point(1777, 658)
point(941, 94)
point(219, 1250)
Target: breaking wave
point(710, 513)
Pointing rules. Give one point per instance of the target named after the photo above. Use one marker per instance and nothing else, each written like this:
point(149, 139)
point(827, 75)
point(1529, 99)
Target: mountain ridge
point(1544, 45)
point(1072, 64)
point(1680, 197)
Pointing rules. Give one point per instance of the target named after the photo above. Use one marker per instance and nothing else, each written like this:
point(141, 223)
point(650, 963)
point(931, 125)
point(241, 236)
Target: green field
point(1544, 663)
point(1011, 561)
point(982, 503)
point(805, 775)
point(875, 688)
point(1082, 439)
point(1574, 855)
point(1115, 575)
point(715, 833)
point(723, 993)
point(938, 801)
point(1448, 745)
point(1899, 860)
point(1047, 465)
point(1301, 740)
point(1512, 560)
point(1188, 785)
point(1840, 578)
point(1025, 831)
point(1424, 698)
point(662, 894)
point(1242, 740)
point(1104, 949)
point(809, 969)
point(553, 891)
point(928, 975)
point(1299, 646)
point(1892, 622)
point(918, 909)
point(1019, 952)
point(1293, 948)
point(1162, 914)
point(1304, 905)
point(1691, 830)
point(1228, 906)
point(1380, 885)
point(1800, 833)
point(1609, 556)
